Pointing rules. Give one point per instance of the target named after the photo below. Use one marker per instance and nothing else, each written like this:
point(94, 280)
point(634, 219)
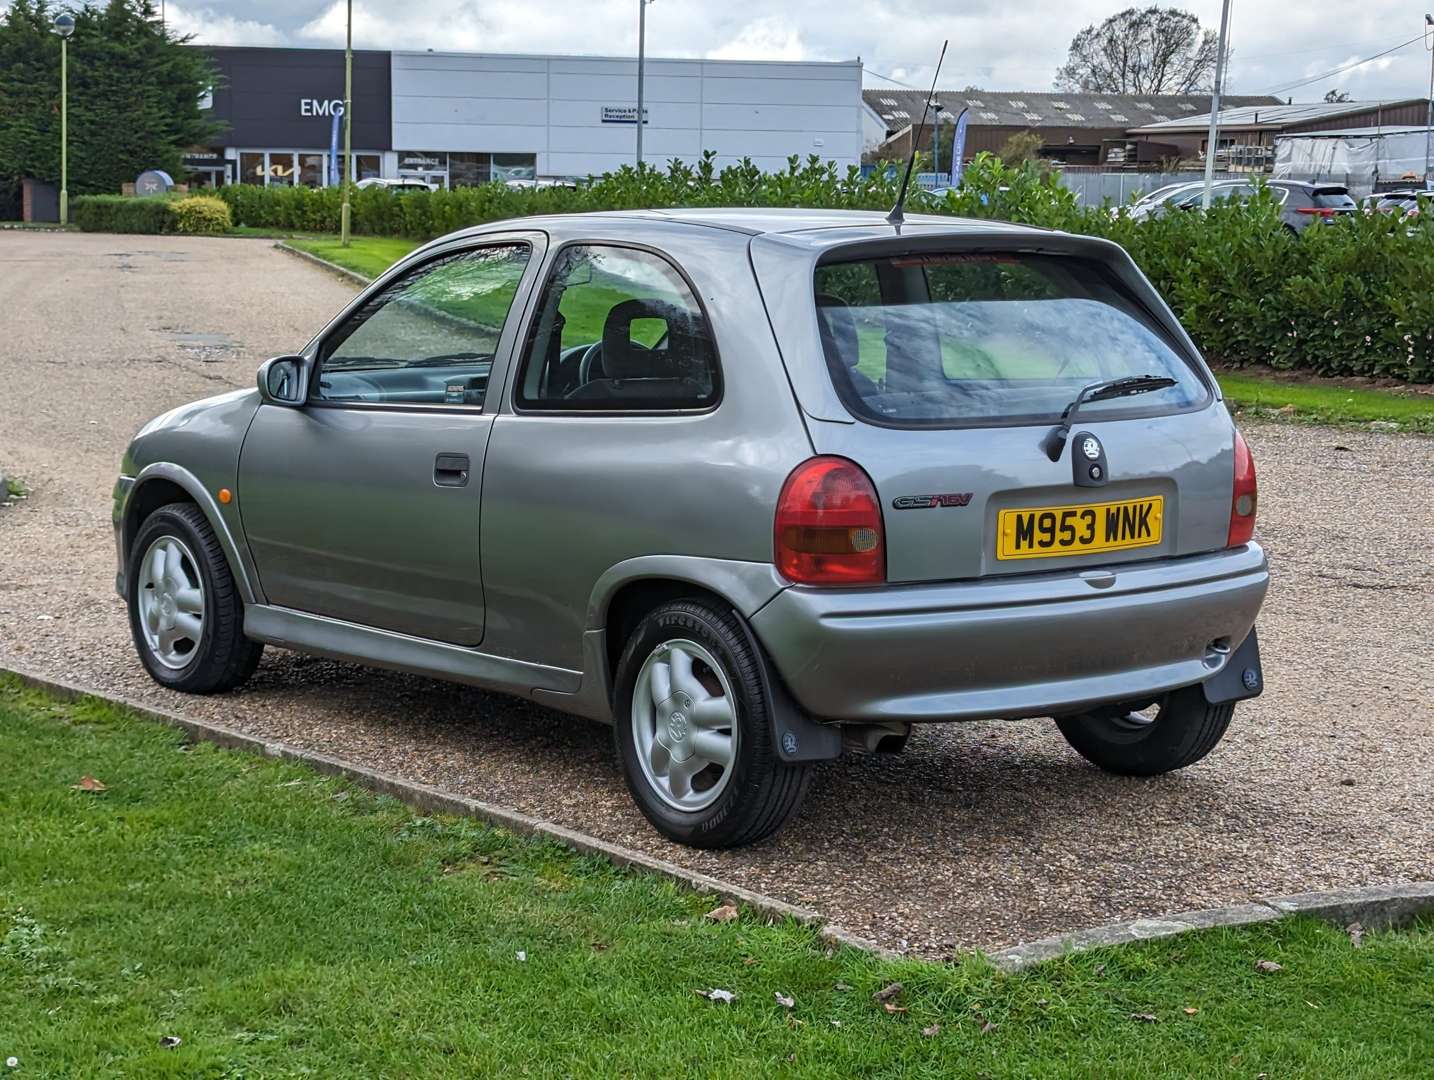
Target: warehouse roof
point(1257, 117)
point(1022, 108)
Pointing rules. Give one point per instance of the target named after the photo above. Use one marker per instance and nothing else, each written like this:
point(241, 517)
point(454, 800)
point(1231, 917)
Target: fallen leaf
point(836, 1023)
point(1190, 1010)
point(841, 987)
point(1100, 969)
point(522, 956)
point(89, 783)
point(887, 992)
point(893, 1008)
point(932, 1031)
point(724, 996)
point(1356, 934)
point(1286, 408)
point(1145, 1018)
point(748, 961)
point(722, 913)
point(599, 946)
point(784, 1000)
point(987, 1027)
point(1042, 1002)
point(1269, 967)
point(793, 1022)
point(169, 1042)
point(1348, 781)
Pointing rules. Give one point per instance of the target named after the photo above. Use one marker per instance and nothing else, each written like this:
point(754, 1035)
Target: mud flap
point(1241, 678)
point(795, 735)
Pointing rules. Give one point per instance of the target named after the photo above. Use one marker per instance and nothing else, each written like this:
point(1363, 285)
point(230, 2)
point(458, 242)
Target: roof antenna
point(897, 215)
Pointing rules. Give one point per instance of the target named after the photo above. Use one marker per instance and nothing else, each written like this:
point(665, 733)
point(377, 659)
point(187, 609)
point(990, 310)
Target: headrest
point(622, 359)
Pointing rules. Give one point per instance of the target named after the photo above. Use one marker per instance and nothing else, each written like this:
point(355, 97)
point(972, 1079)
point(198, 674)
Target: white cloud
point(995, 45)
point(768, 38)
point(212, 29)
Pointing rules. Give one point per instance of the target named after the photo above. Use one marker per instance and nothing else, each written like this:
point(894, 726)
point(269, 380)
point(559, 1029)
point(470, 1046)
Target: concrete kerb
point(433, 800)
point(1376, 907)
point(333, 268)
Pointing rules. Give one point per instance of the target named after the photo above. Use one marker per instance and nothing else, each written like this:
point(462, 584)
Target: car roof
point(820, 228)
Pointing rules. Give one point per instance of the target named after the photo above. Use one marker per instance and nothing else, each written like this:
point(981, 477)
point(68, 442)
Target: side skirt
point(341, 640)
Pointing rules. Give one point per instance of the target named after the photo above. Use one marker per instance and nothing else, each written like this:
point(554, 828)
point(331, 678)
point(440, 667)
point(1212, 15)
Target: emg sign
point(320, 107)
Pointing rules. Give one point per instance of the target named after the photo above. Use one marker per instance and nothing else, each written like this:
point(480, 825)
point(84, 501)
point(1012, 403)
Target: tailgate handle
point(450, 470)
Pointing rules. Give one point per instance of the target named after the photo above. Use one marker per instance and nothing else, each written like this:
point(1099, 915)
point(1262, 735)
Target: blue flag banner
point(958, 149)
point(334, 178)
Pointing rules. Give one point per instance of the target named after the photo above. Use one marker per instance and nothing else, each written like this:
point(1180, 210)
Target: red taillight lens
point(1242, 505)
point(1317, 211)
point(829, 529)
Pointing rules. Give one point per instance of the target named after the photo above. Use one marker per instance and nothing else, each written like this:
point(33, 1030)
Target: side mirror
point(281, 381)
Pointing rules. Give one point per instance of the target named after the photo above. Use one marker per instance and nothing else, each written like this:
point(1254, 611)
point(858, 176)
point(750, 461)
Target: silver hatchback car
point(754, 486)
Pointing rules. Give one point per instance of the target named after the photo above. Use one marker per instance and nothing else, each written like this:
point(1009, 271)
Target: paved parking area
point(980, 834)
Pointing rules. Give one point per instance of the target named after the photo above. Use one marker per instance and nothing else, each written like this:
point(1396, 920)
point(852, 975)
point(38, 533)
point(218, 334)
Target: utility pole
point(64, 26)
point(641, 69)
point(348, 127)
point(1429, 120)
point(1212, 143)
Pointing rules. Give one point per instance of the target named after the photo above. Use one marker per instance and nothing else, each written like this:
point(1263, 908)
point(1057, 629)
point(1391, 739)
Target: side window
point(618, 329)
point(429, 338)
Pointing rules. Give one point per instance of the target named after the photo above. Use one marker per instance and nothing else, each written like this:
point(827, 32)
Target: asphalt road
point(980, 834)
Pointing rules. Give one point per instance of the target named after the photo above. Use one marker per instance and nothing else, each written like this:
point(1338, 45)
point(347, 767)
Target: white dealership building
point(464, 118)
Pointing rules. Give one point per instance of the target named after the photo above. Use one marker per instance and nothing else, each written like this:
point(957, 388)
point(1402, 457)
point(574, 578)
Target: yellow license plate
point(1042, 531)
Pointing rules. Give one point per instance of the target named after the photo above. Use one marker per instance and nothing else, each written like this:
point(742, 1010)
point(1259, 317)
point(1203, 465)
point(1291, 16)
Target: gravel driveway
point(980, 834)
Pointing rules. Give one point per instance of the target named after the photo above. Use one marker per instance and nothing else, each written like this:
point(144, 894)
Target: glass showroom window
point(515, 166)
point(252, 169)
point(472, 169)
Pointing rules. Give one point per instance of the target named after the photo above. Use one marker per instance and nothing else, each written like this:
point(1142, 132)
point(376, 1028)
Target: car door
point(363, 503)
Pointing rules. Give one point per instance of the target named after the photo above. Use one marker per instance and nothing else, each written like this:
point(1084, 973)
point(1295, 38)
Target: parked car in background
point(1301, 204)
point(1402, 203)
point(398, 186)
point(754, 486)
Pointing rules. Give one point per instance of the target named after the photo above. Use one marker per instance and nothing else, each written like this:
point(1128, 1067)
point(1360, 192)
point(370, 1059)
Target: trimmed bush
point(200, 215)
point(121, 213)
point(1351, 297)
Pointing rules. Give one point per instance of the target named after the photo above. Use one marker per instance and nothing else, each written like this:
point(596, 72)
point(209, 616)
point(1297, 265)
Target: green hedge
point(121, 213)
point(1354, 297)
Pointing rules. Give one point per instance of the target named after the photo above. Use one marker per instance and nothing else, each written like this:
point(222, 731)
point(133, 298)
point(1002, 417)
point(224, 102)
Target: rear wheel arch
point(632, 601)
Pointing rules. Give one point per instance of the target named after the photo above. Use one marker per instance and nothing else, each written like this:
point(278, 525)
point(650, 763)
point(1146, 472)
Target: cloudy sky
point(994, 45)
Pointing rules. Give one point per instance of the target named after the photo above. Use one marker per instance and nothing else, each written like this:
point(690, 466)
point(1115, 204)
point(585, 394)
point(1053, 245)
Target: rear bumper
point(1028, 645)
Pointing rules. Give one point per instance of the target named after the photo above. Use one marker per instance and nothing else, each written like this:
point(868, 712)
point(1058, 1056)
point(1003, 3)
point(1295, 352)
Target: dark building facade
point(277, 108)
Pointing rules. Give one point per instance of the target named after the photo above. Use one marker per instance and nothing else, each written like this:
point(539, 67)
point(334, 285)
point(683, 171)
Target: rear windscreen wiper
point(1055, 439)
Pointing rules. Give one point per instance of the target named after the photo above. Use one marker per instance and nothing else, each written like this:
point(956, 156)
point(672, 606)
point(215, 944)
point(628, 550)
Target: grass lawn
point(1278, 398)
point(281, 923)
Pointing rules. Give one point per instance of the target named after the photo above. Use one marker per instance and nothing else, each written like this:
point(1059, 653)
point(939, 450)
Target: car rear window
point(1337, 199)
point(969, 338)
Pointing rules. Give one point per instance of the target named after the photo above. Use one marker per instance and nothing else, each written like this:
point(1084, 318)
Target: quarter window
point(618, 329)
point(429, 337)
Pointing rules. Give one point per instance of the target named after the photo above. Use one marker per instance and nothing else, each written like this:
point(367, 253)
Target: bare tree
point(1151, 50)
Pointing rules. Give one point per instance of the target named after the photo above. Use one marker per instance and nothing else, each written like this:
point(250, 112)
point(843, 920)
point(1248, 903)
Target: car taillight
point(829, 529)
point(1318, 211)
point(1242, 503)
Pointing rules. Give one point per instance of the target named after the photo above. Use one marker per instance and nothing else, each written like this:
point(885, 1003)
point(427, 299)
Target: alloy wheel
point(171, 602)
point(684, 723)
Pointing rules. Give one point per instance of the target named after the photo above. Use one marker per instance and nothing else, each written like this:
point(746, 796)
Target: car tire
point(185, 614)
point(691, 683)
point(1183, 730)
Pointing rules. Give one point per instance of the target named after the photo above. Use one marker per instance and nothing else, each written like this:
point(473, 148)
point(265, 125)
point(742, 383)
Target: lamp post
point(641, 69)
point(1212, 143)
point(348, 126)
point(1429, 118)
point(64, 26)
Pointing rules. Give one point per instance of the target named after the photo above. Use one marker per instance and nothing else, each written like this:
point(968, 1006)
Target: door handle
point(450, 470)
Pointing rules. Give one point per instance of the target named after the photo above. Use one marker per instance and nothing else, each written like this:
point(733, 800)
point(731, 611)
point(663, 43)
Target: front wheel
point(693, 730)
point(1178, 731)
point(185, 615)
